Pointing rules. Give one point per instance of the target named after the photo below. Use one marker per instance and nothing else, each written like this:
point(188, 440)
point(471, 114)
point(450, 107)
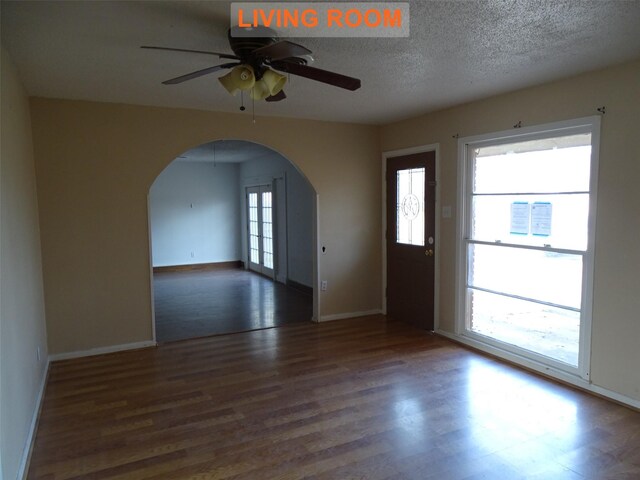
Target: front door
point(260, 229)
point(411, 238)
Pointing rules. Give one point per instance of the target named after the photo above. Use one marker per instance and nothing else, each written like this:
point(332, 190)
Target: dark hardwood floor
point(199, 303)
point(354, 399)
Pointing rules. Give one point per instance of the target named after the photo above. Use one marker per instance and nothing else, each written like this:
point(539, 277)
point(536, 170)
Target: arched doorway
point(233, 242)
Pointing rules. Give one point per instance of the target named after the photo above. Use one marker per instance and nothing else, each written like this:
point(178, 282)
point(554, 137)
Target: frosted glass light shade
point(240, 78)
point(274, 81)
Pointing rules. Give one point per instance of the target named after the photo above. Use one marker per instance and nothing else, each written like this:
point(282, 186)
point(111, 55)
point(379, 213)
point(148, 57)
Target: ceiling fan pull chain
point(253, 108)
point(242, 109)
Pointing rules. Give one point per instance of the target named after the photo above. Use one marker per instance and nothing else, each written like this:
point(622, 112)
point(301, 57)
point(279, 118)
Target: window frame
point(518, 355)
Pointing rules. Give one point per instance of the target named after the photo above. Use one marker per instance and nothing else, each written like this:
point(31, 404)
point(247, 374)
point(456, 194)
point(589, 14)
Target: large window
point(526, 249)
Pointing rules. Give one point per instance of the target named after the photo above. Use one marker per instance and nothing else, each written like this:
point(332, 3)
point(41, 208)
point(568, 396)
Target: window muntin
point(492, 220)
point(544, 330)
point(525, 273)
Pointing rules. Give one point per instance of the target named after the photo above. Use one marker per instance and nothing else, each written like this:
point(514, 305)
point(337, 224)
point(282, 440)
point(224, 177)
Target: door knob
point(429, 253)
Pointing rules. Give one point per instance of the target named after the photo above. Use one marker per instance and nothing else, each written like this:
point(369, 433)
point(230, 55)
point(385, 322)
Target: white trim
point(589, 260)
point(316, 258)
point(342, 316)
point(562, 375)
point(151, 284)
point(102, 350)
point(580, 125)
point(433, 147)
point(23, 468)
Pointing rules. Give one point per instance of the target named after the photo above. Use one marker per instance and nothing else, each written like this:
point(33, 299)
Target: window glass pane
point(552, 332)
point(268, 260)
point(253, 214)
point(267, 245)
point(253, 228)
point(513, 219)
point(253, 199)
point(560, 164)
point(266, 199)
point(545, 276)
point(410, 206)
point(266, 214)
point(255, 256)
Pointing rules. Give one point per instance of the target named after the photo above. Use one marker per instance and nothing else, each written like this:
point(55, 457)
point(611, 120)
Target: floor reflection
point(519, 419)
point(202, 303)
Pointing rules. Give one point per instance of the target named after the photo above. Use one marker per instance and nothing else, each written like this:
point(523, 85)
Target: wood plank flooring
point(365, 398)
point(199, 303)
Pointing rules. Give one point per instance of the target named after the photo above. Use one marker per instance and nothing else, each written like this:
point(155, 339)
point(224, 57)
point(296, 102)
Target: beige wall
point(22, 324)
point(616, 302)
point(95, 163)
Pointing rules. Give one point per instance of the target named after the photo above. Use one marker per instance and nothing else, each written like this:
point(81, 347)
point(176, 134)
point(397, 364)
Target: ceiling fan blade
point(277, 97)
point(280, 50)
point(324, 76)
point(221, 55)
point(199, 73)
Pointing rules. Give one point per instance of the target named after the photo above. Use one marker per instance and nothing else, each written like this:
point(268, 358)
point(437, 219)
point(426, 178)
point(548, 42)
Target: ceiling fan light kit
point(257, 58)
point(242, 77)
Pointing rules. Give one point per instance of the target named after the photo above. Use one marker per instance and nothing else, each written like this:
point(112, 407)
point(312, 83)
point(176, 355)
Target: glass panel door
point(267, 229)
point(260, 229)
point(254, 231)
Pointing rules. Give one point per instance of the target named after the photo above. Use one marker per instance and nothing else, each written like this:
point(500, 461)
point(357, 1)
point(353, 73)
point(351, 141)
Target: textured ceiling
point(458, 51)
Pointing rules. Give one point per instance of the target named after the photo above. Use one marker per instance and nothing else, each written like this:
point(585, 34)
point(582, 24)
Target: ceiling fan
point(254, 61)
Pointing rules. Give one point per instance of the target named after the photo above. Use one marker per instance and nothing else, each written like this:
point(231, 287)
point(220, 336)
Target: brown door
point(411, 238)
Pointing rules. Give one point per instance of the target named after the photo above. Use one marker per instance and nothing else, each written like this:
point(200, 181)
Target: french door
point(260, 229)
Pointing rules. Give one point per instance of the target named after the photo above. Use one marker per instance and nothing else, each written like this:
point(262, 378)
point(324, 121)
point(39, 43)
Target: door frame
point(434, 147)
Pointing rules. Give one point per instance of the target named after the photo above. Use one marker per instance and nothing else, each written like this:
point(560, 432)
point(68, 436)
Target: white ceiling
point(458, 51)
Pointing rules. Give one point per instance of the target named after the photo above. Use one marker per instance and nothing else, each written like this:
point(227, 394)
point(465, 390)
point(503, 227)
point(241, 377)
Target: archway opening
point(233, 242)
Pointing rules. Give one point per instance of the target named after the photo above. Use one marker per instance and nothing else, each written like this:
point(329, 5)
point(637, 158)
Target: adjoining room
point(232, 242)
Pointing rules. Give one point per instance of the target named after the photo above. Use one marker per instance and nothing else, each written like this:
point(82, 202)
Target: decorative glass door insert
point(410, 206)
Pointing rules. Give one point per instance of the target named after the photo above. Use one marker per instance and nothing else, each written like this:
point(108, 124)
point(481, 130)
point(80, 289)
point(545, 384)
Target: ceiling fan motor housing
point(243, 46)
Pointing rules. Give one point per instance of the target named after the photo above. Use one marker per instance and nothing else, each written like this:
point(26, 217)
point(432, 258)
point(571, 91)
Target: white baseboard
point(557, 374)
point(101, 350)
point(28, 444)
point(342, 316)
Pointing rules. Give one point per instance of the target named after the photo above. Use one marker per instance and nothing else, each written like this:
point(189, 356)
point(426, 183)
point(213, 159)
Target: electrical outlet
point(323, 285)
